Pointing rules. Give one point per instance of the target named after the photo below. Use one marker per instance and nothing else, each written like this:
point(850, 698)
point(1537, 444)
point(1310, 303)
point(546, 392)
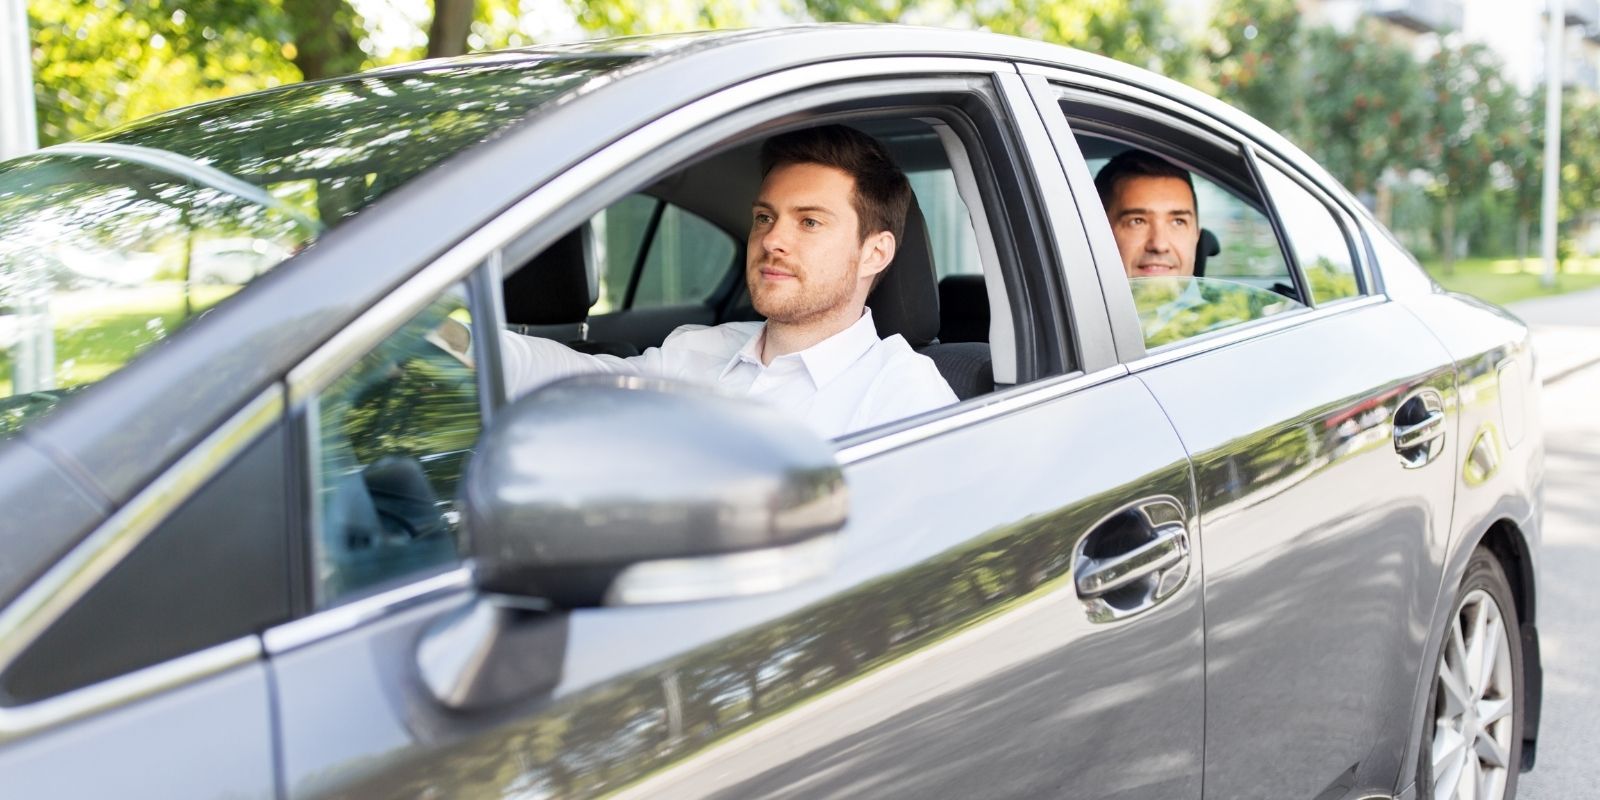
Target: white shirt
point(849, 381)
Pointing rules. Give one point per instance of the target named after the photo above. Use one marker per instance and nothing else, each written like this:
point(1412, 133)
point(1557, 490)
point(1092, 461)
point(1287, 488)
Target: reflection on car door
point(949, 653)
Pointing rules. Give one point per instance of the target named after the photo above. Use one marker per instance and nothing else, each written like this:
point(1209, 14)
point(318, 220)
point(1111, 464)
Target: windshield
point(111, 245)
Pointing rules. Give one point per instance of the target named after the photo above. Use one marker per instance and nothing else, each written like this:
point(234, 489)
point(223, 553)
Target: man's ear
point(876, 253)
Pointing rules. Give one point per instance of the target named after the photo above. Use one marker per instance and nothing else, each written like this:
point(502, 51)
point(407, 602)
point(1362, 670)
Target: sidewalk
point(1566, 331)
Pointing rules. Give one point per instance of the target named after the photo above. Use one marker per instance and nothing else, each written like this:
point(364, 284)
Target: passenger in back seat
point(824, 227)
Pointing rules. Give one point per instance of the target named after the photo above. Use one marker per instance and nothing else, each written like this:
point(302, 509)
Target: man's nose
point(1158, 241)
point(775, 239)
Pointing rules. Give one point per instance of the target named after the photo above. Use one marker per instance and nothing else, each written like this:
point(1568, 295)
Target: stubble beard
point(805, 301)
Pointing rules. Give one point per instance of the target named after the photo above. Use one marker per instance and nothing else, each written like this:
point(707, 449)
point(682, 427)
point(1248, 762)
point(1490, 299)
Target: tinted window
point(1319, 243)
point(394, 434)
point(110, 246)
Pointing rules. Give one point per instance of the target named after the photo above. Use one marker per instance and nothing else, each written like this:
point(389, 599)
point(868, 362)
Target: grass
point(1507, 280)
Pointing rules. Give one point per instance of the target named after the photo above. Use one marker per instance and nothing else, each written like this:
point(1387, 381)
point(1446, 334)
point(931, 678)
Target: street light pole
point(1552, 139)
point(18, 126)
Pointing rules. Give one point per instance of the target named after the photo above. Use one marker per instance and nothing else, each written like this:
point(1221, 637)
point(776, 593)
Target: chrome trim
point(337, 354)
point(37, 608)
point(973, 412)
point(188, 169)
point(19, 722)
point(681, 580)
point(1251, 330)
point(331, 622)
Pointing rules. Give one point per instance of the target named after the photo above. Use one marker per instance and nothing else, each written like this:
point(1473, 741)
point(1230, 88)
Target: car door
point(1323, 448)
point(1012, 610)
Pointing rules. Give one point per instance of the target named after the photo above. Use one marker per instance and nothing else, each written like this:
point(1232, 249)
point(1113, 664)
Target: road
point(1569, 598)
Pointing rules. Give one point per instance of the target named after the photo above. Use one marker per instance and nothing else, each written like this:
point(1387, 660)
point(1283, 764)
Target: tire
point(1473, 750)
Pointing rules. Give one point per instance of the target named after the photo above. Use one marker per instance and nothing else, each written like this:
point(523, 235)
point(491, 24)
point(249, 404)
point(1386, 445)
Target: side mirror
point(619, 490)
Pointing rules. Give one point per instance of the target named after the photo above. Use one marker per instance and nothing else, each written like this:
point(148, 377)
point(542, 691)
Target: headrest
point(963, 309)
point(556, 287)
point(1207, 247)
point(906, 300)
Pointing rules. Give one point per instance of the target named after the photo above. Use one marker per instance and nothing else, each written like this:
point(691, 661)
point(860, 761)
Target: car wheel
point(1472, 728)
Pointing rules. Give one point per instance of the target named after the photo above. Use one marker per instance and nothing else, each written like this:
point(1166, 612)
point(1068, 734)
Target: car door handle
point(1099, 576)
point(1419, 428)
point(1408, 437)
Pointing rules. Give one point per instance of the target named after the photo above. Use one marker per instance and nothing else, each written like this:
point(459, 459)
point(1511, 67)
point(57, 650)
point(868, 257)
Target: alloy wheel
point(1473, 719)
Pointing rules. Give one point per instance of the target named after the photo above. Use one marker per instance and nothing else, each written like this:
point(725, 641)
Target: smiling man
point(1151, 205)
point(824, 227)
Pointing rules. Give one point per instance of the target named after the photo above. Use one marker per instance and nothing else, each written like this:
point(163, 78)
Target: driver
point(823, 228)
point(1151, 205)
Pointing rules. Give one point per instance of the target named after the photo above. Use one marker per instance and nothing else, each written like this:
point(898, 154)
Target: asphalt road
point(1569, 597)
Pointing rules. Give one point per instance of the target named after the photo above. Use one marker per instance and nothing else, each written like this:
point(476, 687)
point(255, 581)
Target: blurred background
point(1431, 111)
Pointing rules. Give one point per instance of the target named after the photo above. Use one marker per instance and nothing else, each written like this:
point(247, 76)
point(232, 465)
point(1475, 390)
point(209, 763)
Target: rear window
point(111, 245)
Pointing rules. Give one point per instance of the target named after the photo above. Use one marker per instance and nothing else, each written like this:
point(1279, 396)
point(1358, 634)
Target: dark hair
point(882, 194)
point(1138, 164)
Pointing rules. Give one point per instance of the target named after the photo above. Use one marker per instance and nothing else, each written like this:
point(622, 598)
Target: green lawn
point(1506, 280)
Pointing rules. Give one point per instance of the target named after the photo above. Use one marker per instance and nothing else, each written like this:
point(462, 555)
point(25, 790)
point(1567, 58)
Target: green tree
point(1256, 56)
point(1364, 105)
point(1470, 110)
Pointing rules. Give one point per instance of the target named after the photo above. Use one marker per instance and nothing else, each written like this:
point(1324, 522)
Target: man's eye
point(1181, 222)
point(810, 223)
point(763, 219)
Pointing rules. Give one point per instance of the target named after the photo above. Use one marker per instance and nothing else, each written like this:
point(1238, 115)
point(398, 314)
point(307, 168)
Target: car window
point(393, 435)
point(1319, 243)
point(685, 257)
point(1241, 276)
point(949, 221)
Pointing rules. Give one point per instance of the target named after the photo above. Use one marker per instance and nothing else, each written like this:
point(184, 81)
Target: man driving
point(824, 226)
point(1151, 205)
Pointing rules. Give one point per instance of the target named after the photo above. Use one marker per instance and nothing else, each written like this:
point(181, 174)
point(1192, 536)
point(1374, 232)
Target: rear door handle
point(1419, 428)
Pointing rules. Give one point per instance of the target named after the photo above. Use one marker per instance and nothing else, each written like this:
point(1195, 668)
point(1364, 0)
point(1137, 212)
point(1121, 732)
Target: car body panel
point(214, 738)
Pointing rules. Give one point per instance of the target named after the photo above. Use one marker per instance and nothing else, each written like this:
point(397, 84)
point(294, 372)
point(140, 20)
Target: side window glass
point(685, 257)
point(950, 233)
point(393, 436)
point(1319, 243)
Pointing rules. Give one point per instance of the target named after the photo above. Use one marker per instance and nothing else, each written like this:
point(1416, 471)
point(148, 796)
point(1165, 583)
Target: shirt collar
point(824, 360)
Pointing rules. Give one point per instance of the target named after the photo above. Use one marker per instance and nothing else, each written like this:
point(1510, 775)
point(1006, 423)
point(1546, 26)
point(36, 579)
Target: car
point(1272, 532)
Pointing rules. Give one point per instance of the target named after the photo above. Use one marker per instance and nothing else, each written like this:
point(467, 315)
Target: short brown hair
point(1138, 164)
point(882, 193)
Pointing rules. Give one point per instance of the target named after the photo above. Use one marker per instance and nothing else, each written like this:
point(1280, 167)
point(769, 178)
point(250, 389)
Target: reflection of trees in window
point(395, 434)
point(1174, 309)
point(600, 741)
point(1330, 281)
